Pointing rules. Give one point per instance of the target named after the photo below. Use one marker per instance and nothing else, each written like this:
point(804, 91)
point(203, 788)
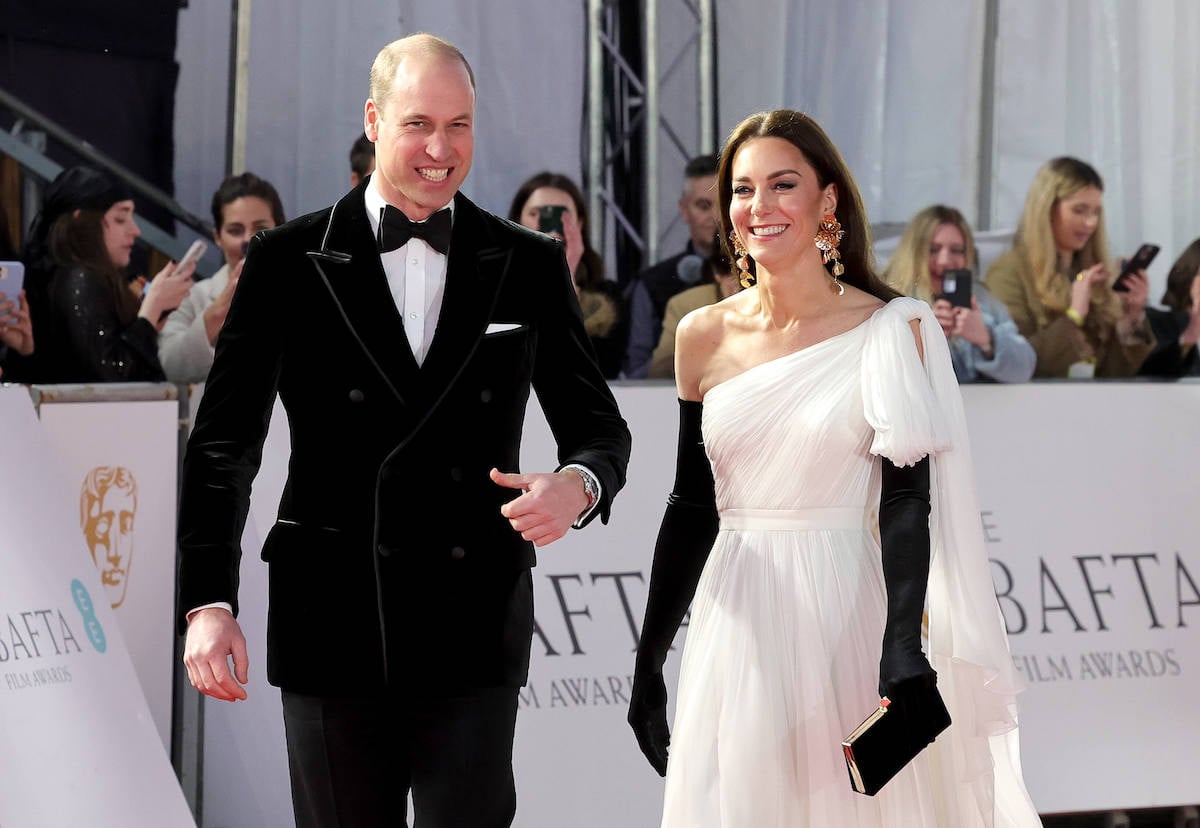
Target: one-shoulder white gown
point(781, 659)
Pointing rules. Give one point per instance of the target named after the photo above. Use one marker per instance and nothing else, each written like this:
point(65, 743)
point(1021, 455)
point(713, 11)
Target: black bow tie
point(395, 229)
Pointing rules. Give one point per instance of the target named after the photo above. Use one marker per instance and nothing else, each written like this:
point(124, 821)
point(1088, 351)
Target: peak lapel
point(348, 263)
point(475, 270)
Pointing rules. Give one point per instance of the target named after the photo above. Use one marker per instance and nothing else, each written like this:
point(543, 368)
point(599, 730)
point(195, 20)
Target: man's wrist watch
point(589, 488)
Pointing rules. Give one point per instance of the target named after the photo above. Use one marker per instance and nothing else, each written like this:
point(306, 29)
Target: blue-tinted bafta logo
point(87, 609)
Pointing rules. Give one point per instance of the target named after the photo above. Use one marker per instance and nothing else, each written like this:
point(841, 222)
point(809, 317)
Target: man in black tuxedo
point(402, 329)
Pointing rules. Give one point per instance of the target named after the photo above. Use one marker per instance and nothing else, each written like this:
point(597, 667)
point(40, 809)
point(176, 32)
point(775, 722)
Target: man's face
point(424, 134)
point(109, 533)
point(697, 206)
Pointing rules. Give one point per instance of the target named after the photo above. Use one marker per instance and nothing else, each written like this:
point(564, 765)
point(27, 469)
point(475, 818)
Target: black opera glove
point(689, 527)
point(904, 537)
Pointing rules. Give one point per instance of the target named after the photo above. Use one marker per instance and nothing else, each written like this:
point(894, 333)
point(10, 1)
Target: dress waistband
point(792, 519)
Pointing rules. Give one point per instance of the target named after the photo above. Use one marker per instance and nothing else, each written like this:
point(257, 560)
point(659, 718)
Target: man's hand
point(213, 635)
point(550, 505)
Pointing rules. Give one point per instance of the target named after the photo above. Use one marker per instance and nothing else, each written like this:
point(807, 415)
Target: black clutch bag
point(892, 736)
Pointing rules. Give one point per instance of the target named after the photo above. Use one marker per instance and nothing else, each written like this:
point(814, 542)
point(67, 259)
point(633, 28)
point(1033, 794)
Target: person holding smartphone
point(1057, 284)
point(90, 326)
point(1177, 328)
point(16, 331)
point(241, 206)
point(935, 261)
point(552, 203)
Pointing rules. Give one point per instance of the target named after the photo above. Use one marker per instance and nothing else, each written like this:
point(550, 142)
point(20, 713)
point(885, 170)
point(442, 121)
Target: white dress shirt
point(416, 276)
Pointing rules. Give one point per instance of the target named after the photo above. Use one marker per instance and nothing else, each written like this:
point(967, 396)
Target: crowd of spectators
point(1055, 305)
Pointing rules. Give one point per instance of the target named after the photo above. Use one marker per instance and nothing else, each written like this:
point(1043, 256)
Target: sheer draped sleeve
point(915, 409)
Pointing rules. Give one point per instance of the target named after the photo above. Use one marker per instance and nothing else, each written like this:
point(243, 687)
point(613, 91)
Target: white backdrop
point(308, 83)
point(1050, 499)
point(897, 85)
point(78, 745)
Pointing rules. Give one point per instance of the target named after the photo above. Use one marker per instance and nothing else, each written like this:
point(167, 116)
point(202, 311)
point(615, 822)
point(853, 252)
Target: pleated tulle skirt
point(780, 663)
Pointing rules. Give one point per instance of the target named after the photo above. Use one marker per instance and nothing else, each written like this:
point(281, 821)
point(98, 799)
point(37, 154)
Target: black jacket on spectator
point(1168, 358)
point(81, 336)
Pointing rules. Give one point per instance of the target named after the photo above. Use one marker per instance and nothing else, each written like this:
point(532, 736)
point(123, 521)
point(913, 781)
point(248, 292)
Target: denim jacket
point(1013, 358)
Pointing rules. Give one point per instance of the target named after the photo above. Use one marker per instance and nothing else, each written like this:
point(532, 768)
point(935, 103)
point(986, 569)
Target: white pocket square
point(501, 327)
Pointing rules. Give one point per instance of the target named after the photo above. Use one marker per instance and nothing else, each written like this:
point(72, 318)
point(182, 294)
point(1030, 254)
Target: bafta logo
point(107, 505)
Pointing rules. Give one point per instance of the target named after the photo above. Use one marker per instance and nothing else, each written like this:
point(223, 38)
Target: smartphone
point(1138, 261)
point(193, 253)
point(956, 287)
point(550, 218)
point(12, 280)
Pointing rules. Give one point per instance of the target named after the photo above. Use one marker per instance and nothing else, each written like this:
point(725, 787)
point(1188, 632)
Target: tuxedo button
point(384, 551)
point(456, 474)
point(486, 395)
point(356, 395)
point(458, 553)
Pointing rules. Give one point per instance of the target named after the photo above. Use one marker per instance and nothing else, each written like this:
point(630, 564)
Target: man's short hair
point(701, 165)
point(383, 70)
point(362, 155)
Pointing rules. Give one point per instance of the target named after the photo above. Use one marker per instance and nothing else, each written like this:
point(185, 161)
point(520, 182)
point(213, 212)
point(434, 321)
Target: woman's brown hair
point(806, 135)
point(76, 239)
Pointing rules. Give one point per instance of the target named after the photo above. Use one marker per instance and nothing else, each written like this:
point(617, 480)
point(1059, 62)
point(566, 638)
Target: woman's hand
point(215, 313)
point(1133, 301)
point(574, 239)
point(16, 330)
point(968, 324)
point(944, 312)
point(167, 290)
point(1081, 288)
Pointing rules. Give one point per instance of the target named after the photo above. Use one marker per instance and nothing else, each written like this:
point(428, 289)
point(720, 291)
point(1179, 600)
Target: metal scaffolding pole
point(650, 134)
point(595, 183)
point(239, 92)
point(623, 98)
point(707, 77)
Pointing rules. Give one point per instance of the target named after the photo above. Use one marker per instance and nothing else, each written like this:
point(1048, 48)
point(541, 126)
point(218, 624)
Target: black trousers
point(354, 761)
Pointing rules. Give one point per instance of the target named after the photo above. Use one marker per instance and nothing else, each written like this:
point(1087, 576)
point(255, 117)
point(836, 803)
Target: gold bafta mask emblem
point(107, 505)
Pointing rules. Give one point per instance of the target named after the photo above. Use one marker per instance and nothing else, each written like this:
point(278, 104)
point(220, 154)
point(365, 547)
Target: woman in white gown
point(823, 483)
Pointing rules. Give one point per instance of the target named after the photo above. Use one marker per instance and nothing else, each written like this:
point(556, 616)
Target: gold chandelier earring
point(829, 236)
point(742, 261)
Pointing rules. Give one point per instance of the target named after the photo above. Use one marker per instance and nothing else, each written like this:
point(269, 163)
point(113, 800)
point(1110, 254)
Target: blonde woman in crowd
point(985, 345)
point(1058, 286)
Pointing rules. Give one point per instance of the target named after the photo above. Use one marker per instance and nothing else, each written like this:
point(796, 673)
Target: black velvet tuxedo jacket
point(391, 568)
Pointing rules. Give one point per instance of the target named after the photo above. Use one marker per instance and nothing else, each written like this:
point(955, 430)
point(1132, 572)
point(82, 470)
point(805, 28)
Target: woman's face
point(947, 250)
point(241, 219)
point(1075, 218)
point(546, 197)
point(120, 232)
point(777, 201)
